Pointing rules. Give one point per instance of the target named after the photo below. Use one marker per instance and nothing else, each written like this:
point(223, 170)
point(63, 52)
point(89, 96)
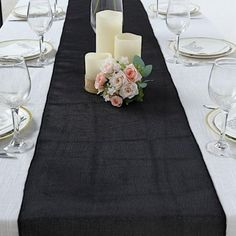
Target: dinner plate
point(6, 126)
point(200, 46)
point(204, 48)
point(21, 11)
point(214, 121)
point(28, 48)
point(162, 8)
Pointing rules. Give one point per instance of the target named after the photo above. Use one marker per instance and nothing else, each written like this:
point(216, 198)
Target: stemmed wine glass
point(156, 9)
point(14, 90)
point(177, 20)
point(222, 90)
point(40, 19)
point(58, 13)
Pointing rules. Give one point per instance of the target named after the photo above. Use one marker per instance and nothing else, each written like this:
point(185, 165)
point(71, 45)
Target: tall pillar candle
point(127, 45)
point(93, 62)
point(108, 25)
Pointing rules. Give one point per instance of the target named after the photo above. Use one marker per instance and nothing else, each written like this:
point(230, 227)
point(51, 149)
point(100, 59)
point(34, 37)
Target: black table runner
point(100, 170)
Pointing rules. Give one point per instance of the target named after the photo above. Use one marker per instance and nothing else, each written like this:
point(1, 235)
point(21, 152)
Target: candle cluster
point(110, 42)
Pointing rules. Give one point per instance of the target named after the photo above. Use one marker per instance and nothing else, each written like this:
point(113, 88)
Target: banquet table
point(100, 170)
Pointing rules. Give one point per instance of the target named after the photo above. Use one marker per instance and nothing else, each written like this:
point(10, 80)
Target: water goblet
point(39, 16)
point(58, 13)
point(222, 91)
point(177, 21)
point(14, 91)
point(154, 9)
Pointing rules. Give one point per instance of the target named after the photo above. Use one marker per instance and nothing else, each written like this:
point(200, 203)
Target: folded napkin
point(19, 48)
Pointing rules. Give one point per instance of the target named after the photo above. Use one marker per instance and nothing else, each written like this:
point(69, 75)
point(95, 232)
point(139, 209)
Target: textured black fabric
point(105, 171)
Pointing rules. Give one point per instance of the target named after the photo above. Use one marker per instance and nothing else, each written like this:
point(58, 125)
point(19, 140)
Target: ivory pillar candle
point(127, 45)
point(108, 25)
point(93, 62)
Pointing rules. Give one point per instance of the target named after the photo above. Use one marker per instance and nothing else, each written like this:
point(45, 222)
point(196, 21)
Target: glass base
point(18, 146)
point(59, 15)
point(220, 149)
point(3, 154)
point(174, 60)
point(40, 63)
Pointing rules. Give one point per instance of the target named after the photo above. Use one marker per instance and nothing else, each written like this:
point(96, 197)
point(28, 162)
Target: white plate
point(162, 8)
point(214, 121)
point(201, 46)
point(6, 126)
point(21, 11)
point(28, 48)
point(228, 45)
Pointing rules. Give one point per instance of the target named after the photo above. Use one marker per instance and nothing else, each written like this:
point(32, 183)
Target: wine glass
point(222, 90)
point(14, 90)
point(101, 5)
point(58, 13)
point(177, 20)
point(154, 9)
point(40, 19)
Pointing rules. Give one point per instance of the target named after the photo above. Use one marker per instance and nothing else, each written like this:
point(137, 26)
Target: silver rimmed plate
point(204, 47)
point(162, 8)
point(28, 48)
point(214, 121)
point(21, 11)
point(6, 126)
point(201, 46)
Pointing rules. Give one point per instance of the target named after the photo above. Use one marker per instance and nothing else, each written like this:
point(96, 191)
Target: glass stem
point(221, 142)
point(15, 119)
point(41, 56)
point(177, 46)
point(55, 8)
point(157, 9)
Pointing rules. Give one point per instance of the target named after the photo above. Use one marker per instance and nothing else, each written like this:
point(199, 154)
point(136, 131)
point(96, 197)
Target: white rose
point(129, 90)
point(108, 66)
point(124, 60)
point(117, 80)
point(116, 67)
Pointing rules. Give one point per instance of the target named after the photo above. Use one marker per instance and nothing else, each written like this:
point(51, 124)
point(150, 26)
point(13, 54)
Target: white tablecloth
point(191, 83)
point(13, 172)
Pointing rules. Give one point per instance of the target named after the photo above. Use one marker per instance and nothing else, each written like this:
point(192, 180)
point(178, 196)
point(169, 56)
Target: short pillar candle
point(93, 63)
point(127, 45)
point(108, 25)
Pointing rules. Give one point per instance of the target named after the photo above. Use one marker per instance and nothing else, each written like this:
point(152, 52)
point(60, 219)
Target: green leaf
point(147, 71)
point(128, 101)
point(139, 97)
point(122, 66)
point(142, 85)
point(138, 62)
point(147, 80)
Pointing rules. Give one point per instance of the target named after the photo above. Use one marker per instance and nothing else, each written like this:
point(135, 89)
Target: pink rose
point(132, 74)
point(116, 101)
point(100, 81)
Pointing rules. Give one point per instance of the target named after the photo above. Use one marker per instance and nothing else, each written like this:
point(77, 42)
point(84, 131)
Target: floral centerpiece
point(121, 82)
